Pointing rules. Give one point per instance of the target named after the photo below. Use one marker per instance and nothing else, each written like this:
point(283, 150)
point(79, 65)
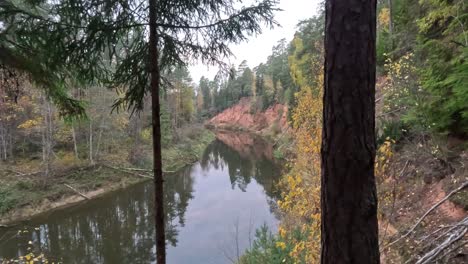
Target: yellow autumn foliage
point(31, 123)
point(301, 196)
point(301, 187)
point(384, 17)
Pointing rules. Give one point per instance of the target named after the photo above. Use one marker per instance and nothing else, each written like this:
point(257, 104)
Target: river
point(213, 208)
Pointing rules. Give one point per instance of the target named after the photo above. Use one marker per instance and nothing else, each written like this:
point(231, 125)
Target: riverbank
point(270, 124)
point(25, 192)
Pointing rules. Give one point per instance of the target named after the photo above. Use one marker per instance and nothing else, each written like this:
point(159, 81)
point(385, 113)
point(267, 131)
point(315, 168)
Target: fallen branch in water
point(128, 171)
point(134, 169)
point(461, 187)
point(76, 191)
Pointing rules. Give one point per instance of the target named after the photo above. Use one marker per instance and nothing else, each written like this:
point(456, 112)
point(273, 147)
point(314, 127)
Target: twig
point(17, 172)
point(394, 198)
point(423, 248)
point(76, 191)
point(461, 187)
point(431, 255)
point(281, 136)
point(390, 112)
point(453, 249)
point(434, 232)
point(432, 242)
point(23, 174)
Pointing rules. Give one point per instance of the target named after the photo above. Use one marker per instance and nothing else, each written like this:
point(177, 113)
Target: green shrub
point(393, 129)
point(273, 249)
point(265, 249)
point(446, 80)
point(7, 201)
point(278, 154)
point(25, 185)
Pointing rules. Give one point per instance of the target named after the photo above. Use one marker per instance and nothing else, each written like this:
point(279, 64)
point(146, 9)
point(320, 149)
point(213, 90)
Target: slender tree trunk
point(3, 147)
point(10, 144)
point(47, 135)
point(91, 142)
point(349, 202)
point(157, 161)
point(75, 145)
point(390, 22)
point(98, 144)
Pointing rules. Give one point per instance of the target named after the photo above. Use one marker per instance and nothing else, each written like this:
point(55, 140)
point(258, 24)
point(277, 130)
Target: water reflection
point(230, 189)
point(246, 157)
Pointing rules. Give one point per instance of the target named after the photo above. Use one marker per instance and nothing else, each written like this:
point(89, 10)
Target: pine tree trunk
point(157, 161)
point(349, 201)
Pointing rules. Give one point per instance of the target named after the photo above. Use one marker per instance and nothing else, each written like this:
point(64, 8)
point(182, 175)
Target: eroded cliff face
point(241, 116)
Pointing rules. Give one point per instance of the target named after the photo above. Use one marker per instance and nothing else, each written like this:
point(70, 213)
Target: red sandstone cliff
point(240, 116)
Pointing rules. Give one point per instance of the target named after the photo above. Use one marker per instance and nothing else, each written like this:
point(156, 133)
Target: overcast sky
point(258, 48)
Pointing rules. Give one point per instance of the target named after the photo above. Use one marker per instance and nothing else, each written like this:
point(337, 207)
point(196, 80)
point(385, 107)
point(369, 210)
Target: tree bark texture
point(348, 195)
point(157, 161)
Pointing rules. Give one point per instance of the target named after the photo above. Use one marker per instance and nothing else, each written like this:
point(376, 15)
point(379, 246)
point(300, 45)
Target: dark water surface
point(213, 208)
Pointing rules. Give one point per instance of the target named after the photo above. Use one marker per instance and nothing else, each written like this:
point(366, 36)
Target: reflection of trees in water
point(178, 192)
point(241, 166)
point(115, 229)
point(119, 228)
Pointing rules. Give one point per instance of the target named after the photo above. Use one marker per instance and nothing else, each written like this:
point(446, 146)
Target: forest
point(348, 143)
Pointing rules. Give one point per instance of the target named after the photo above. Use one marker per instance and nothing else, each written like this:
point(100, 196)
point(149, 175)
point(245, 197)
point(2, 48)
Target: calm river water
point(213, 208)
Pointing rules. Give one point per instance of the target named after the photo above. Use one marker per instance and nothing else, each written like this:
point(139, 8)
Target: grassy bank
point(188, 150)
point(25, 191)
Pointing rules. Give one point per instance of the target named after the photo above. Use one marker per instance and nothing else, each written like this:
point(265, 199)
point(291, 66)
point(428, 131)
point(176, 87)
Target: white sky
point(258, 48)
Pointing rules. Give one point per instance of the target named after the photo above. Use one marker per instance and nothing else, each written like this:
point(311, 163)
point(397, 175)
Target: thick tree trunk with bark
point(349, 201)
point(157, 161)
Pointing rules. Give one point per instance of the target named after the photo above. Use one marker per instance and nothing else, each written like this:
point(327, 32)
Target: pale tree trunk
point(10, 144)
point(90, 143)
point(75, 144)
point(98, 144)
point(157, 161)
point(348, 192)
point(135, 132)
point(47, 135)
point(390, 22)
point(3, 144)
point(101, 110)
